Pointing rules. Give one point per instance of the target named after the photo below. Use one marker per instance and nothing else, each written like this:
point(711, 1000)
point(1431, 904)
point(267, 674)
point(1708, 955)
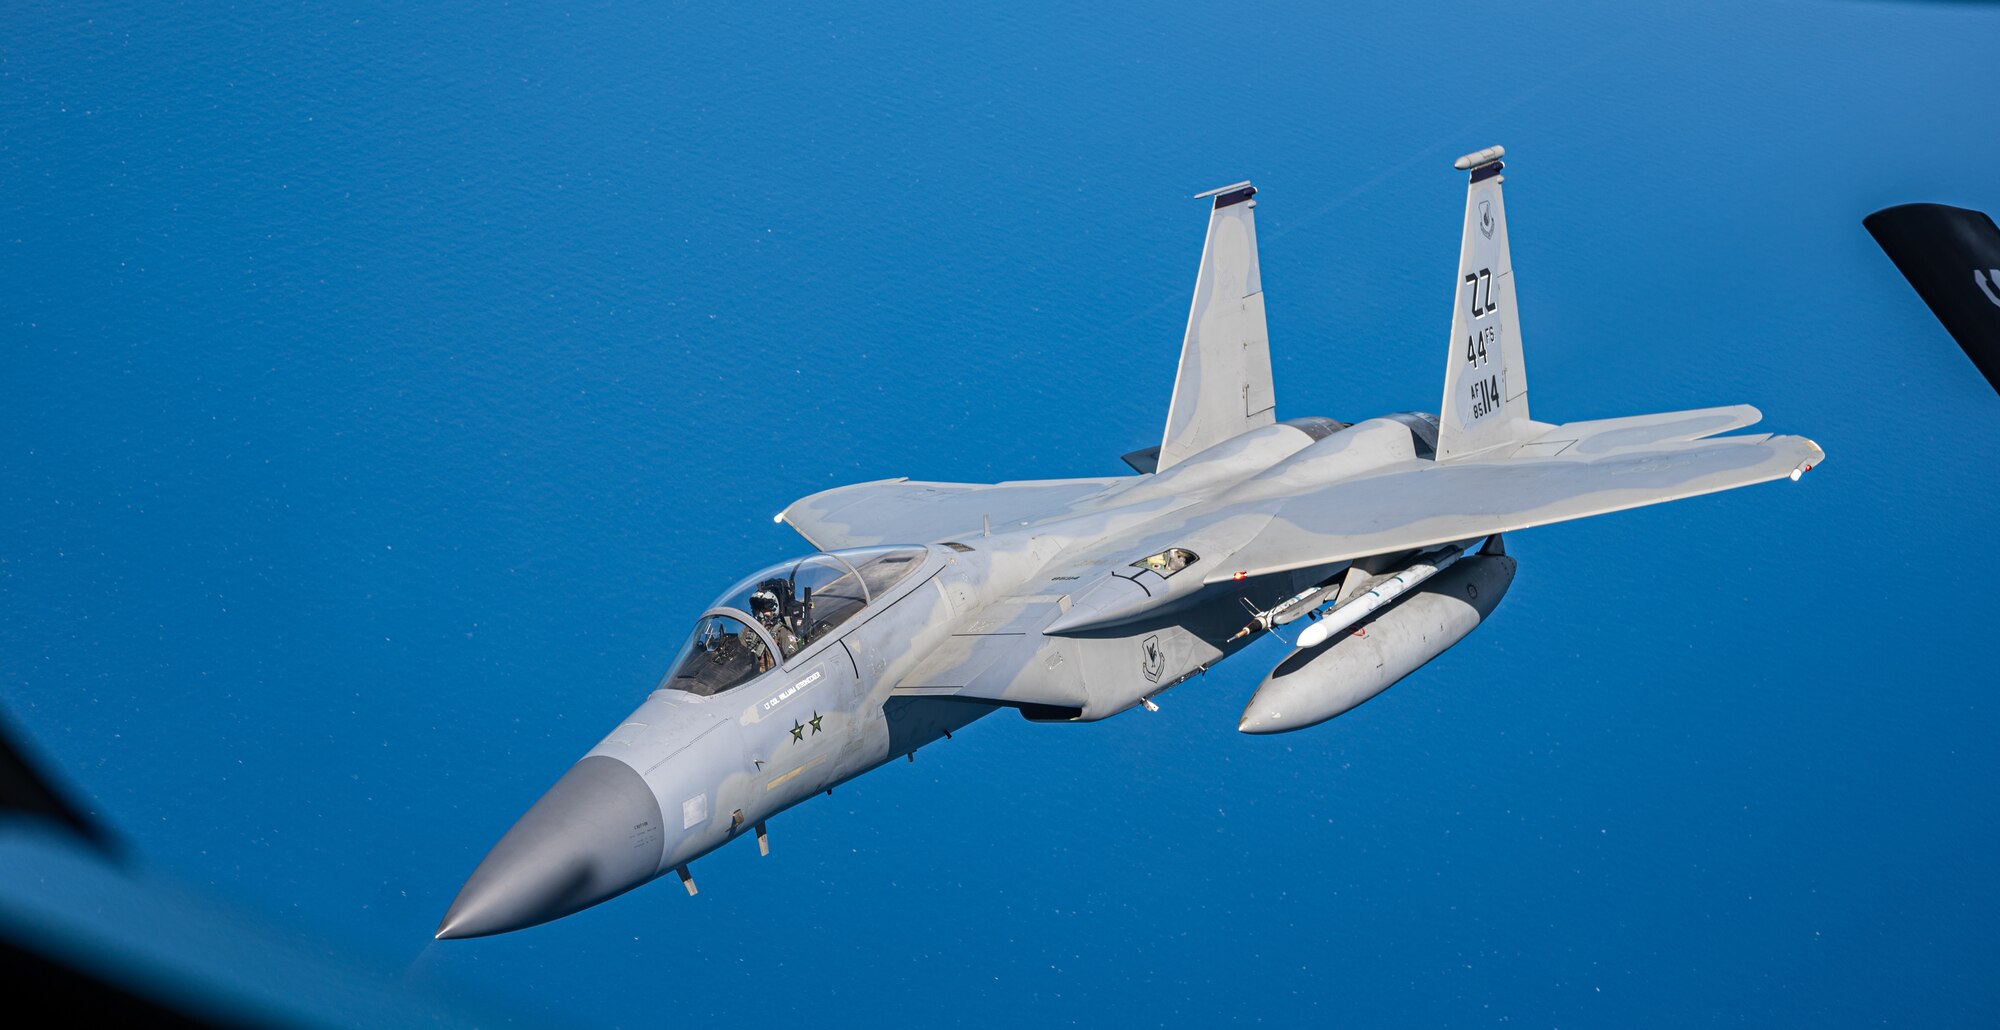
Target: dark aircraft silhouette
point(1952, 256)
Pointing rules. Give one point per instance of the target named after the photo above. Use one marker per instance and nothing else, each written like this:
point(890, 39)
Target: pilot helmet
point(764, 605)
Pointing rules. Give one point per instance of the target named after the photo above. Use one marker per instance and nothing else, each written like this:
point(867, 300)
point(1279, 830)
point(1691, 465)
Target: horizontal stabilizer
point(1599, 438)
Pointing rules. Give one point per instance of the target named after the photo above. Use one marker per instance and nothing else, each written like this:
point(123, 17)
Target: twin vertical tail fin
point(1485, 381)
point(1223, 388)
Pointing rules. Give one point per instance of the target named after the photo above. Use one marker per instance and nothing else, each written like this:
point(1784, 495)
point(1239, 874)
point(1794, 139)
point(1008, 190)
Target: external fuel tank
point(1315, 684)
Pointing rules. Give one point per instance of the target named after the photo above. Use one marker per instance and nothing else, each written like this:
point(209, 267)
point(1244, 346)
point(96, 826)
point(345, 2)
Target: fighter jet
point(930, 605)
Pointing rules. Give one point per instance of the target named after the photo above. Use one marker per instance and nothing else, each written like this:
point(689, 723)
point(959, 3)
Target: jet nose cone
point(597, 833)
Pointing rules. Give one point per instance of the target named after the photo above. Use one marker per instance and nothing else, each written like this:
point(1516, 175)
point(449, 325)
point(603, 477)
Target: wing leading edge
point(899, 511)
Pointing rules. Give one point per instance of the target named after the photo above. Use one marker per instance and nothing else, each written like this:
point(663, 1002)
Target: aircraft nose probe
point(597, 833)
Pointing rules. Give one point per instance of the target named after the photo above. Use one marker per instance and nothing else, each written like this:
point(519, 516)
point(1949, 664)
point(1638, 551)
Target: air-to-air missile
point(1071, 600)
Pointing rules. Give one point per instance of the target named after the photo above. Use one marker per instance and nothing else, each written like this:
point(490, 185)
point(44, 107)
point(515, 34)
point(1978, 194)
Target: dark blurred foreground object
point(25, 791)
point(1952, 256)
point(89, 936)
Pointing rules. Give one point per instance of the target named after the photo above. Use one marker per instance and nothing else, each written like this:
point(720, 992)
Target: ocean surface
point(387, 387)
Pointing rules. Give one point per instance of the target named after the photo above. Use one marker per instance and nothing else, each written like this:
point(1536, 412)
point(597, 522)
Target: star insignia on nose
point(798, 730)
point(814, 722)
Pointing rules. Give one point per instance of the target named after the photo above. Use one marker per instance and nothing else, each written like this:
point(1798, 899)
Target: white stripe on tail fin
point(1485, 380)
point(1224, 385)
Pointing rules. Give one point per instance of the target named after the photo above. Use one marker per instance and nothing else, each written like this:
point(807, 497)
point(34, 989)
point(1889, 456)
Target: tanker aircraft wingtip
point(1951, 256)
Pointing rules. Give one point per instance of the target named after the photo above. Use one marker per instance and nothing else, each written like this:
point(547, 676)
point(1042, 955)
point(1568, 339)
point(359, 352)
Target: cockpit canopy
point(780, 612)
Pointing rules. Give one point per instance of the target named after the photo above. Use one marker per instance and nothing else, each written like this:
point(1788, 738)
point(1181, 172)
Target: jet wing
point(1422, 504)
point(899, 511)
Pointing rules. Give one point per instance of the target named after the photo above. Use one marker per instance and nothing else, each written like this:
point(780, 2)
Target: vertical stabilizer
point(1224, 384)
point(1485, 381)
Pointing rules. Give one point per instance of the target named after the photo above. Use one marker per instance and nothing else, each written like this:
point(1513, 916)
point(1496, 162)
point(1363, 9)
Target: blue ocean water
point(388, 386)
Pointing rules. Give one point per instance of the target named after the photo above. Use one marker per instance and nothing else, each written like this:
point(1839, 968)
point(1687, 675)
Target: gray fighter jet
point(1071, 600)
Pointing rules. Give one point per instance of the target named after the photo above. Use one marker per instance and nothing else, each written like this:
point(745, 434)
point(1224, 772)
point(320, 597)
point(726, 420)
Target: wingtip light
point(1479, 157)
point(1220, 190)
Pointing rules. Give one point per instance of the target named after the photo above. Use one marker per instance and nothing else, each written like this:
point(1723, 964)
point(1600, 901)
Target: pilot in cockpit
point(767, 604)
